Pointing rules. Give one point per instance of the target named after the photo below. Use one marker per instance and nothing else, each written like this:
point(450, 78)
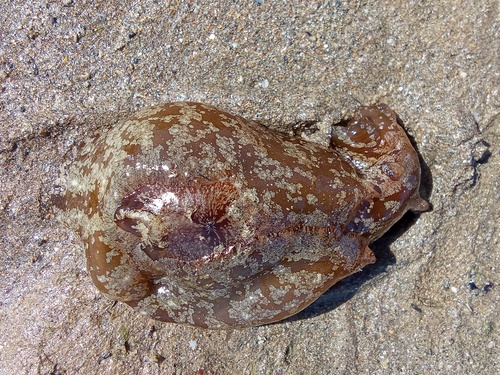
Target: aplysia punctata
point(193, 215)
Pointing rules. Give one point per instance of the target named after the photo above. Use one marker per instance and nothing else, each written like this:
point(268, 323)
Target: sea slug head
point(378, 147)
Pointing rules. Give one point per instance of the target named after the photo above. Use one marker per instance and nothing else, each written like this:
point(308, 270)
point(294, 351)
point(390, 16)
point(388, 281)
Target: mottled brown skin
point(193, 215)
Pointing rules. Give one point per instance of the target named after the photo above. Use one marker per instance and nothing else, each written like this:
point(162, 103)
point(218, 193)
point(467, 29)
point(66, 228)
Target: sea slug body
point(193, 215)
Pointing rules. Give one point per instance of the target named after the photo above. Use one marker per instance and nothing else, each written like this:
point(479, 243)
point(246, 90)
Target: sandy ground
point(69, 69)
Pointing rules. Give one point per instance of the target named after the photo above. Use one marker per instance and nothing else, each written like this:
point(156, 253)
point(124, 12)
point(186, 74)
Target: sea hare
point(193, 215)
